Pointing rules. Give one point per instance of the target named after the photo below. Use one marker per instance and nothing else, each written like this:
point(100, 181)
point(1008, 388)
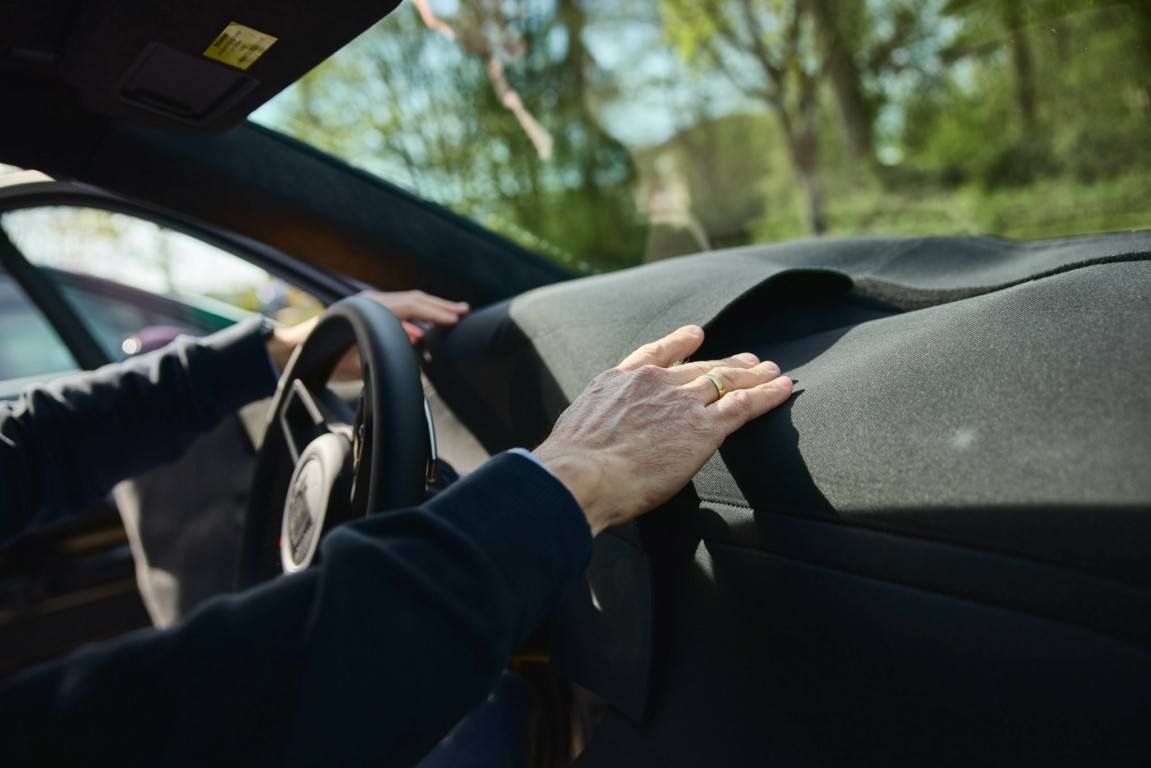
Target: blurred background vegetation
point(605, 133)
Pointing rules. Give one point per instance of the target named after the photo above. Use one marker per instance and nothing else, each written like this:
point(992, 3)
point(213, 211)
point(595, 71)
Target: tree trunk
point(1141, 14)
point(802, 148)
point(816, 220)
point(855, 110)
point(1023, 63)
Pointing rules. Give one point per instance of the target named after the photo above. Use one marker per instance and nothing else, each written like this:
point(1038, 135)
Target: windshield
point(604, 134)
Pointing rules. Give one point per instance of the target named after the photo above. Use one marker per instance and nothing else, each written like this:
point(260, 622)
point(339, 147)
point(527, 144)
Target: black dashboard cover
point(955, 391)
point(973, 390)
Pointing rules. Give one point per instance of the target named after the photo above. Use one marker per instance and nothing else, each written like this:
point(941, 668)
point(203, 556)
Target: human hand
point(641, 430)
point(410, 307)
point(413, 307)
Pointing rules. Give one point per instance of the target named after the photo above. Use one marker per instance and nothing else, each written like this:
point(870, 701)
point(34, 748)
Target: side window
point(139, 284)
point(29, 347)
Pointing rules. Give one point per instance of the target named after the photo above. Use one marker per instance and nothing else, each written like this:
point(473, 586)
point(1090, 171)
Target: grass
point(1046, 208)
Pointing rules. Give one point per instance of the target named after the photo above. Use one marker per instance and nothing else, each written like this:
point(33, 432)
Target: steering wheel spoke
point(306, 416)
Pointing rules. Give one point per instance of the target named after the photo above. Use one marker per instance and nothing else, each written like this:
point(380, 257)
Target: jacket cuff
point(239, 356)
point(527, 521)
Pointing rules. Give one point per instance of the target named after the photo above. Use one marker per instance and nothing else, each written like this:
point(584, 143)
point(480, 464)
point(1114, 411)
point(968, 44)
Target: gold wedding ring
point(717, 382)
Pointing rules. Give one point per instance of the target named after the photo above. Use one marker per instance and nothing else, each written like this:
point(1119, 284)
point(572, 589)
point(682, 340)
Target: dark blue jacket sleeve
point(368, 658)
point(64, 445)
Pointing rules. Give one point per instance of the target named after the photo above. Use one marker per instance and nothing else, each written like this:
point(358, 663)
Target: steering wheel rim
point(385, 450)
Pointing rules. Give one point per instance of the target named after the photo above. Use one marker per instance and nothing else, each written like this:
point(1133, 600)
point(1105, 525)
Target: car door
point(88, 278)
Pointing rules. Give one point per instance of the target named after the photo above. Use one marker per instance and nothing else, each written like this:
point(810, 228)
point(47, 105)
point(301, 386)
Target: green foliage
point(685, 124)
point(689, 26)
point(1043, 209)
point(414, 107)
point(938, 140)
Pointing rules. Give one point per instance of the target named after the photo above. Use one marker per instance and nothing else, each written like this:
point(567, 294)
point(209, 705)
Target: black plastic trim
point(440, 212)
point(325, 286)
point(51, 303)
point(994, 579)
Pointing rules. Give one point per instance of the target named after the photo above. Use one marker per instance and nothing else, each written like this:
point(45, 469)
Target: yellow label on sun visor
point(239, 46)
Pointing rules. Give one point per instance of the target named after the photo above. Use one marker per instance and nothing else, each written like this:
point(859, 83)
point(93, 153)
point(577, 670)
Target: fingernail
point(747, 357)
point(692, 330)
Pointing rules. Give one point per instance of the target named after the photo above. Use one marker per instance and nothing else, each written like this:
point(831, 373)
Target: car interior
point(936, 550)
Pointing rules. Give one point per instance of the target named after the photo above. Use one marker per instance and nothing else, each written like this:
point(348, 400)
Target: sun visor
point(202, 66)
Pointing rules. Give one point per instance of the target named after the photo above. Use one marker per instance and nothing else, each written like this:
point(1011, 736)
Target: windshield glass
point(603, 134)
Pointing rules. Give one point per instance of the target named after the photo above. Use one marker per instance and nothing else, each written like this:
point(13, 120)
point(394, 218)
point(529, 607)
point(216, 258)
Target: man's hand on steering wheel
point(410, 307)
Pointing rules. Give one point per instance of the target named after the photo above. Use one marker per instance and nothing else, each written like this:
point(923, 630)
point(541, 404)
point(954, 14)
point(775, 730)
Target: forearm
point(65, 444)
point(398, 633)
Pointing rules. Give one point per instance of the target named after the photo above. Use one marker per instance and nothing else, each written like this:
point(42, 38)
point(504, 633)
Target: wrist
point(583, 478)
point(280, 348)
point(284, 339)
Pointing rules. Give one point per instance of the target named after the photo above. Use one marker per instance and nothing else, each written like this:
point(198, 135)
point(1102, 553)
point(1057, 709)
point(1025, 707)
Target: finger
point(688, 372)
point(677, 345)
point(459, 307)
point(415, 332)
point(737, 408)
point(428, 312)
point(419, 297)
point(409, 304)
point(730, 380)
point(436, 304)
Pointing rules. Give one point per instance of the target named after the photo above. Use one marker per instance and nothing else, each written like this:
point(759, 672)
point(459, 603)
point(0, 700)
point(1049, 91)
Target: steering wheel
point(321, 462)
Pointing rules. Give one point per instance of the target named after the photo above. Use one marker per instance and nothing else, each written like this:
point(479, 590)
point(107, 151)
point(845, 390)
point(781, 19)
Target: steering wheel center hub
point(317, 483)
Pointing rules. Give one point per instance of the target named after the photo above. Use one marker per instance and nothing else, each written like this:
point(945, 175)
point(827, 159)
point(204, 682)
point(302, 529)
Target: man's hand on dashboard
point(641, 430)
point(411, 307)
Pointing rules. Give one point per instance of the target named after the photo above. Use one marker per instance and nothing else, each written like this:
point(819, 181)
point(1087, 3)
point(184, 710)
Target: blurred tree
point(785, 52)
point(765, 49)
point(747, 120)
point(862, 46)
point(484, 110)
point(839, 25)
point(1080, 116)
